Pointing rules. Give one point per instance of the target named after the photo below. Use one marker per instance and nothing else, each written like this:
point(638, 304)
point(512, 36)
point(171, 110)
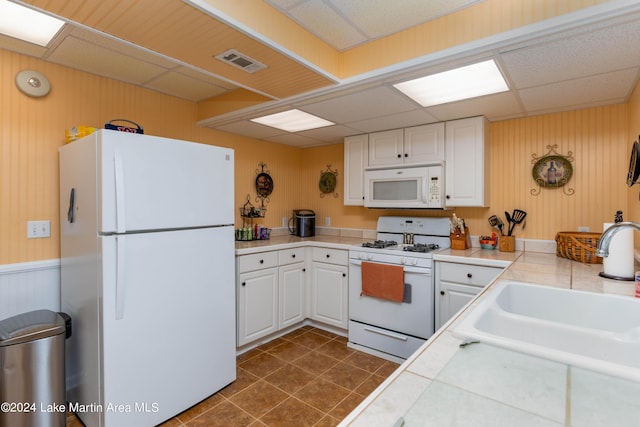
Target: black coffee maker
point(303, 223)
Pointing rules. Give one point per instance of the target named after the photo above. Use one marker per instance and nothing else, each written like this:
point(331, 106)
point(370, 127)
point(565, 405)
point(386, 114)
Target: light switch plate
point(38, 229)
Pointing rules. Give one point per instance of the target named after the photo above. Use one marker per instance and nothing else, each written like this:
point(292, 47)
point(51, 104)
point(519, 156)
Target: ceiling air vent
point(240, 60)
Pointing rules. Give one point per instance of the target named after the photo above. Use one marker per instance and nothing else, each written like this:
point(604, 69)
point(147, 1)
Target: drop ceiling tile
point(322, 20)
point(371, 103)
point(394, 121)
point(329, 133)
point(182, 86)
point(20, 46)
point(495, 106)
point(602, 89)
point(91, 58)
point(377, 18)
point(295, 140)
point(205, 77)
point(251, 129)
point(590, 53)
point(116, 45)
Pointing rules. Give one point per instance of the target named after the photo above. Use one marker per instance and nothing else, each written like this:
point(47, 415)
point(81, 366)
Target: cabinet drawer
point(331, 256)
point(289, 256)
point(475, 275)
point(257, 261)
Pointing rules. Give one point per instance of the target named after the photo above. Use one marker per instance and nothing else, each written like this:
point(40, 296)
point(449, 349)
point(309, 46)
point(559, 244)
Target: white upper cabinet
point(386, 148)
point(356, 149)
point(467, 162)
point(424, 144)
point(415, 145)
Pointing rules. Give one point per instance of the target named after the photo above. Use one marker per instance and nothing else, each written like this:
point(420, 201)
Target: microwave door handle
point(425, 183)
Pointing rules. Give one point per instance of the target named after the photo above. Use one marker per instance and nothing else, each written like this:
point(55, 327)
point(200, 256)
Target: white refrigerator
point(147, 250)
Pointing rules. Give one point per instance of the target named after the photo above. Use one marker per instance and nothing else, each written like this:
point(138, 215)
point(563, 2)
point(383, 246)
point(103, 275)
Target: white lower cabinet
point(329, 287)
point(271, 292)
point(291, 293)
point(456, 285)
point(257, 304)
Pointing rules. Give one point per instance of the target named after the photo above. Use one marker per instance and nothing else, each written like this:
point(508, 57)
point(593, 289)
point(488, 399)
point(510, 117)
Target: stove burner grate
point(421, 247)
point(380, 244)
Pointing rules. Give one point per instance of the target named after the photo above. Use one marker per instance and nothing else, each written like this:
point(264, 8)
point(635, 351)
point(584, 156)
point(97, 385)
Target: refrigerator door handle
point(71, 217)
point(120, 276)
point(119, 188)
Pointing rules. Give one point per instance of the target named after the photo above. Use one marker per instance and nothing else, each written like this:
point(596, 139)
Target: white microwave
point(420, 187)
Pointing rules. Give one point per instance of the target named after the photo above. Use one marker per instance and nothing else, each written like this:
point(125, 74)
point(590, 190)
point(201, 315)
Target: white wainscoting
point(29, 286)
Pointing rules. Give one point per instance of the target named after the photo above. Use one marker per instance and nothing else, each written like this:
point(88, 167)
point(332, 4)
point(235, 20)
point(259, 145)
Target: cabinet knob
point(406, 155)
point(441, 292)
point(304, 269)
point(399, 156)
point(244, 283)
point(448, 196)
point(328, 256)
point(344, 274)
point(261, 261)
point(469, 275)
point(293, 255)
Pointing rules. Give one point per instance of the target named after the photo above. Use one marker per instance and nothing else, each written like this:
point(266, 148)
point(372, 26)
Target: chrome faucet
point(605, 239)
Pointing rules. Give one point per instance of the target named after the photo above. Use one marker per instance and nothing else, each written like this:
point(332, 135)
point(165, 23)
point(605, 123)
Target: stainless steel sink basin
point(590, 330)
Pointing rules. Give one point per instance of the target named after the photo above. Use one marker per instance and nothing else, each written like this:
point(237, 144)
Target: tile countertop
point(445, 384)
point(288, 241)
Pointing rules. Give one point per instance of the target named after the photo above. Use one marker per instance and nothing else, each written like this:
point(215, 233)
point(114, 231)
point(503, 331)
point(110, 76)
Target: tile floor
point(308, 377)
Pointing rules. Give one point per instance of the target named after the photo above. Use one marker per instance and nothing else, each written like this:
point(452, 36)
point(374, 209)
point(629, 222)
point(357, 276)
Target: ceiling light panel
point(27, 24)
point(471, 81)
point(293, 121)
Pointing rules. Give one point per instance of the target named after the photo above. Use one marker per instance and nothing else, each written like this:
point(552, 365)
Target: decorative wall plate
point(552, 170)
point(264, 184)
point(328, 180)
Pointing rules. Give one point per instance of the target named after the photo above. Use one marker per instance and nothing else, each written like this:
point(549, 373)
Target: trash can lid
point(304, 213)
point(30, 326)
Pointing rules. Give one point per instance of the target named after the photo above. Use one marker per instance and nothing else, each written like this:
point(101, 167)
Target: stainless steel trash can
point(32, 376)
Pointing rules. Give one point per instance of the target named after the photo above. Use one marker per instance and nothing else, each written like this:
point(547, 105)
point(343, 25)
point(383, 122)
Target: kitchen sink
point(593, 331)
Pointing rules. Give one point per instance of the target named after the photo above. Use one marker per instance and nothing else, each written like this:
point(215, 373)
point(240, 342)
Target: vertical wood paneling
point(31, 130)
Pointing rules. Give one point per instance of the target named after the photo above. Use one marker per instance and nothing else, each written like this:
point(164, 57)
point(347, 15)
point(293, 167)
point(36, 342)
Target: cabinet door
point(467, 162)
point(329, 294)
point(356, 157)
point(451, 297)
point(424, 144)
point(386, 148)
point(257, 304)
point(291, 284)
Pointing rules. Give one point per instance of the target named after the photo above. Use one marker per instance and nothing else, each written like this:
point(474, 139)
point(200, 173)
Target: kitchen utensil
point(517, 217)
point(497, 223)
point(508, 217)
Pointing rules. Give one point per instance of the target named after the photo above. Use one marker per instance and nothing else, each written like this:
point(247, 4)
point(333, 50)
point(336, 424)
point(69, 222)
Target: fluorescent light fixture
point(27, 24)
point(293, 121)
point(483, 78)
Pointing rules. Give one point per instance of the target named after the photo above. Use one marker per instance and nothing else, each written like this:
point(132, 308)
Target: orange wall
point(598, 138)
point(31, 130)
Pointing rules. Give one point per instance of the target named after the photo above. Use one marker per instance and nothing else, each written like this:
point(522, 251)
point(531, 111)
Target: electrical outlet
point(585, 229)
point(38, 229)
point(327, 221)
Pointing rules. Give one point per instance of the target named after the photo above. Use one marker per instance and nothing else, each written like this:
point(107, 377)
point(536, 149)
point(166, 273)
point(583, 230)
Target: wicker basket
point(578, 246)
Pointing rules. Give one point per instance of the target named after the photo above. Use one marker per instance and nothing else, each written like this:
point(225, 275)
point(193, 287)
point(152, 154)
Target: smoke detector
point(240, 60)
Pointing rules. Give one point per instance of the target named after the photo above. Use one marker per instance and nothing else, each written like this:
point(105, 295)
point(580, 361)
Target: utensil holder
point(507, 243)
point(460, 241)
